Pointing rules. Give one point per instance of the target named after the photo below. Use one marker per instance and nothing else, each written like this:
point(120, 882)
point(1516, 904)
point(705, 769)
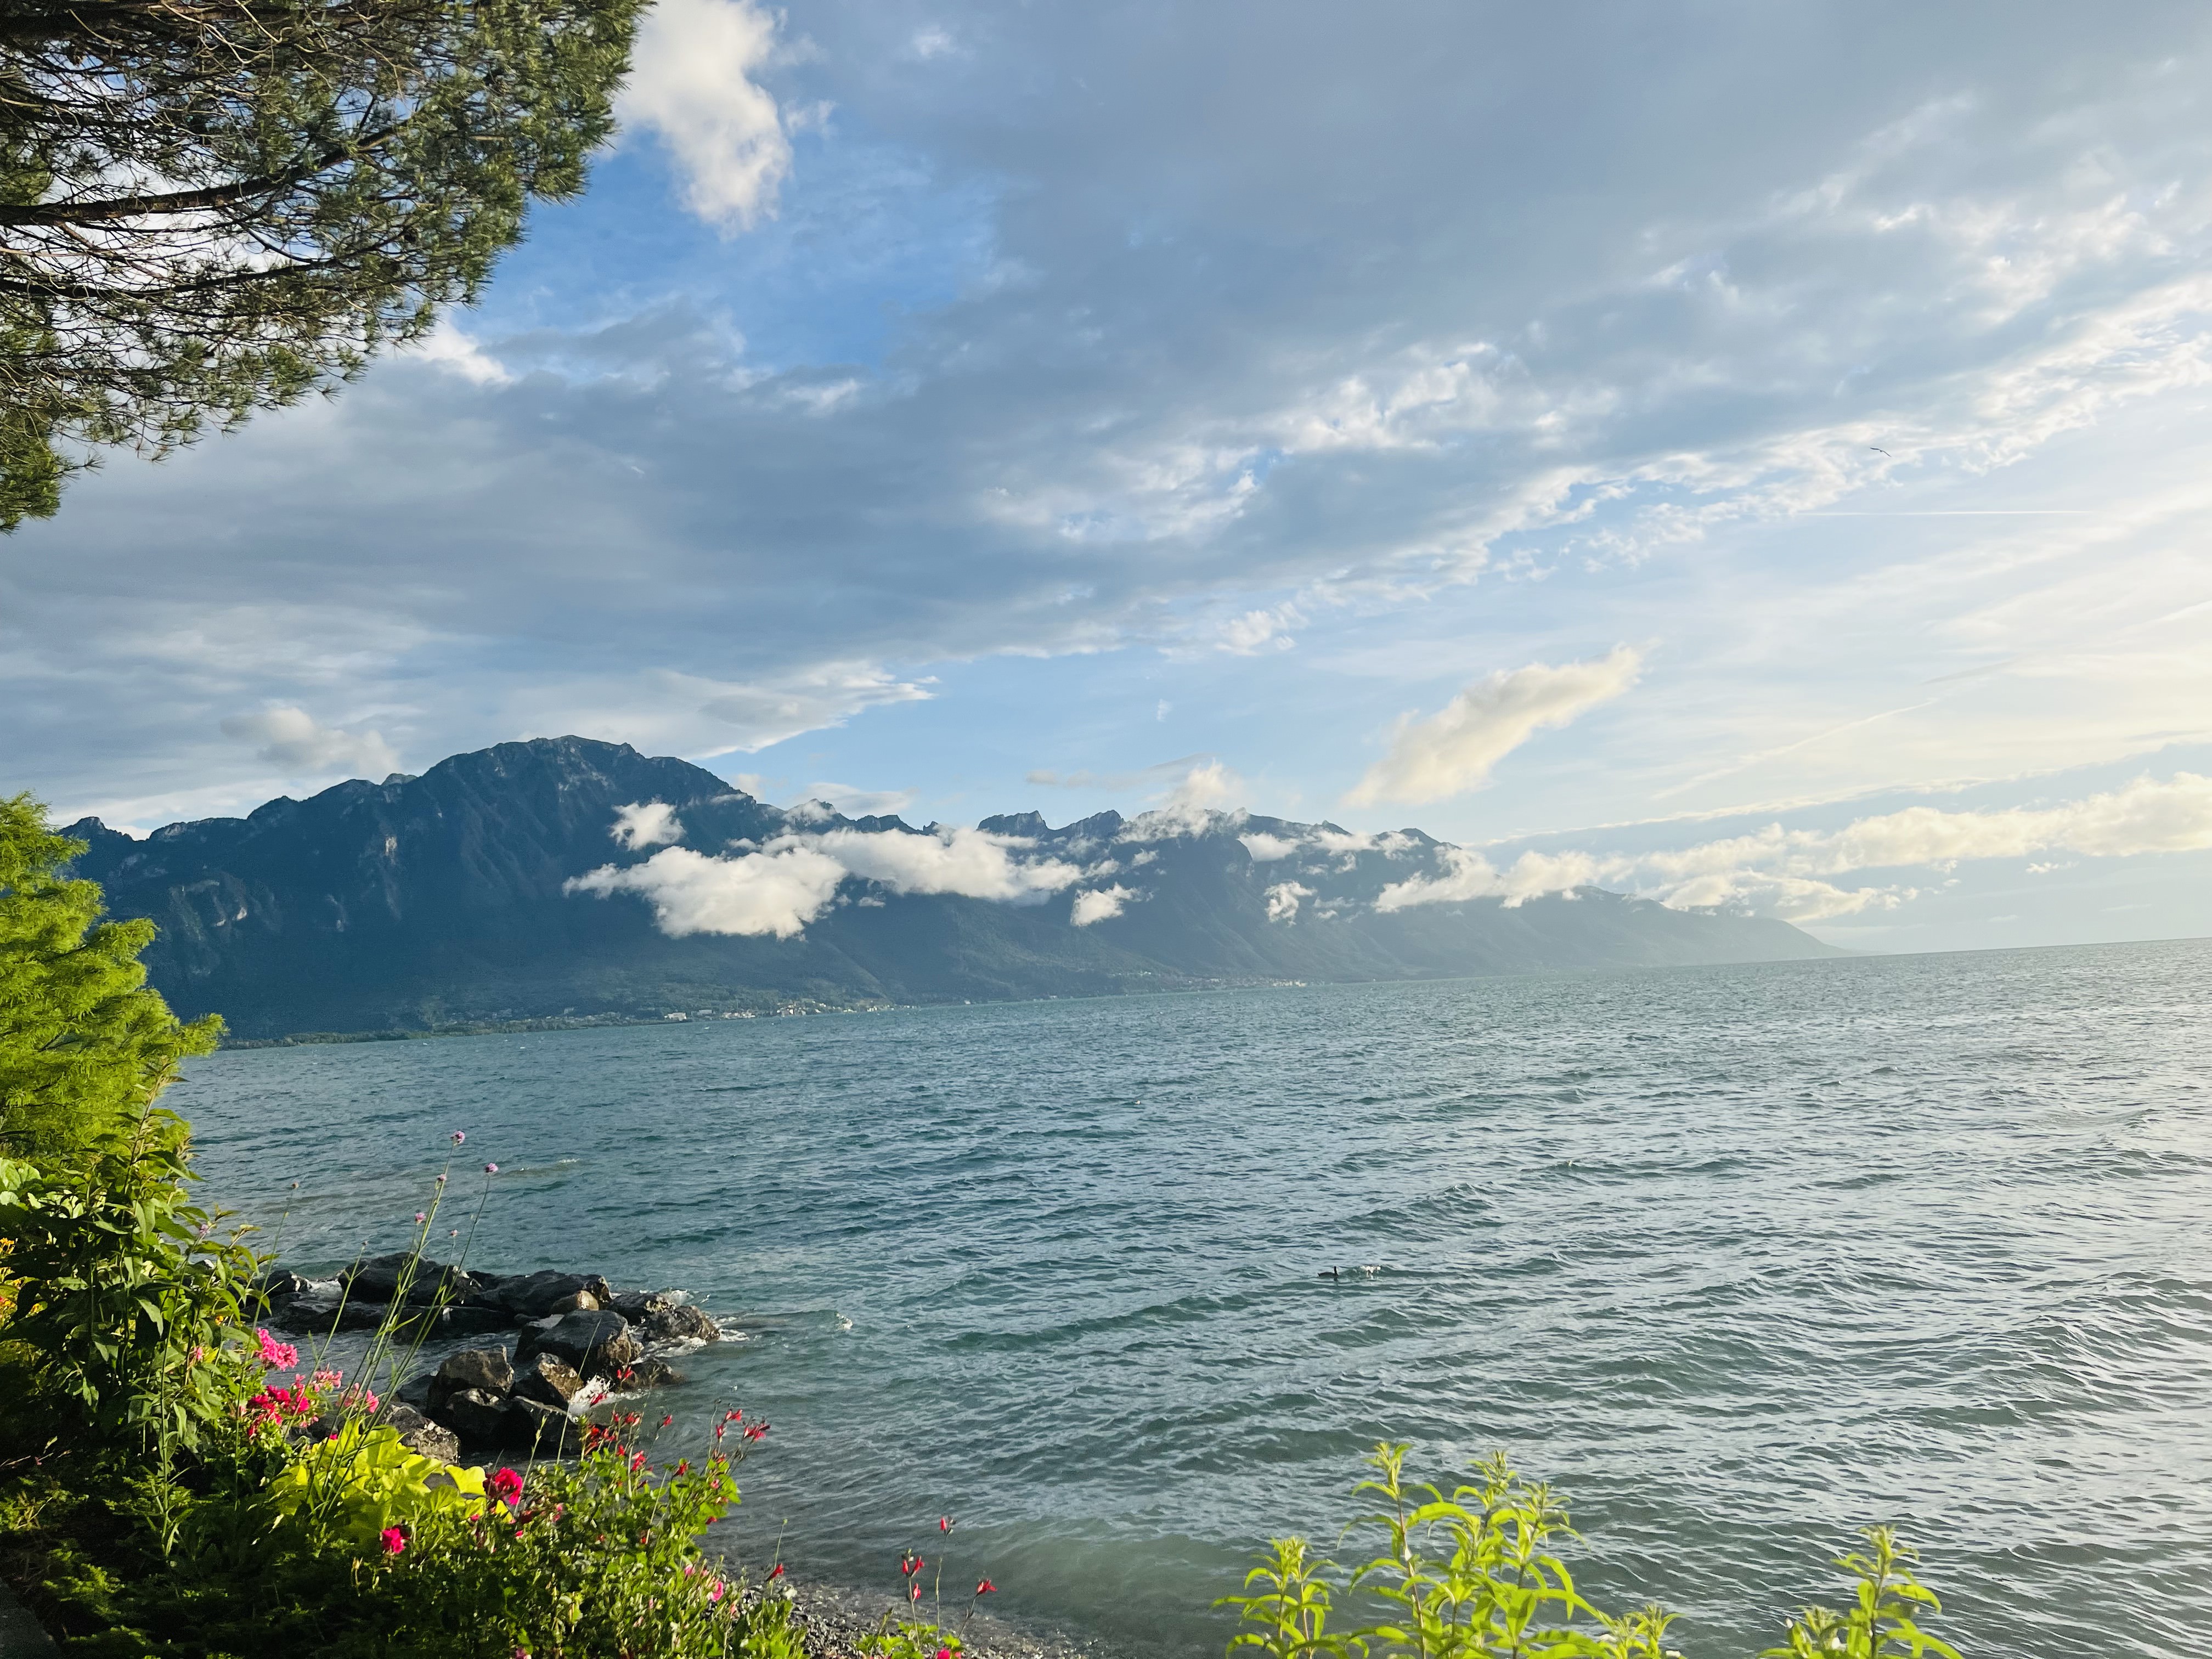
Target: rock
point(423, 1437)
point(309, 1312)
point(377, 1279)
point(582, 1302)
point(533, 1296)
point(467, 1322)
point(358, 1316)
point(484, 1370)
point(478, 1416)
point(651, 1373)
point(682, 1322)
point(276, 1283)
point(638, 1305)
point(549, 1380)
point(415, 1391)
point(540, 1429)
point(597, 1344)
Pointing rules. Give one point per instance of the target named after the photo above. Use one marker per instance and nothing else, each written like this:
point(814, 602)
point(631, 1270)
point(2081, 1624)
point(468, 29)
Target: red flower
point(984, 1586)
point(945, 1523)
point(756, 1431)
point(776, 1572)
point(505, 1485)
point(665, 1421)
point(914, 1592)
point(395, 1540)
point(944, 1653)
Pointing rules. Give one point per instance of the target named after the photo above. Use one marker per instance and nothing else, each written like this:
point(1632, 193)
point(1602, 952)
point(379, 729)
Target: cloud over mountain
point(1453, 750)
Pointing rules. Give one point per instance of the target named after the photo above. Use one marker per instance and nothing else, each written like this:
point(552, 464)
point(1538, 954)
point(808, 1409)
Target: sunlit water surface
point(1740, 1258)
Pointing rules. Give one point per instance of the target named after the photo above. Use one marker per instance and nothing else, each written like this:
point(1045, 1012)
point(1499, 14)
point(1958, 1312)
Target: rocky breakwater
point(577, 1342)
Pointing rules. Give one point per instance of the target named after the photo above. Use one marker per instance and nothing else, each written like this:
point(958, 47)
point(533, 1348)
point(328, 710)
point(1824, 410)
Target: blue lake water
point(1741, 1258)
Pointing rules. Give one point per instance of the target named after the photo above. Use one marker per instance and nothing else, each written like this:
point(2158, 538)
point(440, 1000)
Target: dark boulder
point(534, 1296)
point(466, 1322)
point(478, 1416)
point(597, 1344)
point(651, 1373)
point(540, 1429)
point(376, 1279)
point(485, 1371)
point(423, 1437)
point(680, 1323)
point(276, 1283)
point(548, 1380)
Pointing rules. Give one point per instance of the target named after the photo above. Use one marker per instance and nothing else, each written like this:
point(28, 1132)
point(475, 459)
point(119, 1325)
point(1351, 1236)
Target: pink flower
point(714, 1590)
point(491, 1169)
point(395, 1540)
point(276, 1354)
point(505, 1485)
point(459, 1135)
point(944, 1653)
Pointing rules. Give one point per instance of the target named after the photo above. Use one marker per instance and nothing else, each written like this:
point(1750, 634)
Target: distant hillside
point(452, 897)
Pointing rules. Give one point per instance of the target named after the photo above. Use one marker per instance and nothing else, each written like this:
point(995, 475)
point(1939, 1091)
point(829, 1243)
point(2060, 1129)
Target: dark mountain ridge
point(447, 898)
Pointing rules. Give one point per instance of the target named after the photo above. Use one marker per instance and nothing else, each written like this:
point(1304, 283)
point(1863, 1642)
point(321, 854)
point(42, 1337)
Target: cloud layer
point(1786, 872)
point(290, 739)
point(777, 889)
point(1453, 750)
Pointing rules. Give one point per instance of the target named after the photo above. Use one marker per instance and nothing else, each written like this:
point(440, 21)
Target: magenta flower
point(459, 1135)
point(275, 1354)
point(395, 1540)
point(420, 1218)
point(505, 1485)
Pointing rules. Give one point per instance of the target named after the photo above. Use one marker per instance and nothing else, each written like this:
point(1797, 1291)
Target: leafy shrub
point(1498, 1590)
point(124, 1319)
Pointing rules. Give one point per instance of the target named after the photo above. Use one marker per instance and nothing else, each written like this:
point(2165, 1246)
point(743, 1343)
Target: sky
point(1752, 453)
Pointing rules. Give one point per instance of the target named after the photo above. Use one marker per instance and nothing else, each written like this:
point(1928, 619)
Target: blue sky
point(1652, 440)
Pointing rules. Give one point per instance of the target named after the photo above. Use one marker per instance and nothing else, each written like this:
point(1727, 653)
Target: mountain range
point(569, 879)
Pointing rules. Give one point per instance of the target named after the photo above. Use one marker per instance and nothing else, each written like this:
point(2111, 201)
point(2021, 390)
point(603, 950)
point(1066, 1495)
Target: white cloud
point(1283, 900)
point(691, 81)
point(460, 353)
point(1266, 848)
point(1101, 904)
point(1785, 872)
point(1259, 630)
point(773, 893)
point(646, 823)
point(1453, 750)
point(973, 863)
point(778, 888)
point(289, 738)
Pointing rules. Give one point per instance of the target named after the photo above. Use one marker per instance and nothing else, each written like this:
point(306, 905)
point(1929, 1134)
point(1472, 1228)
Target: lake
point(1740, 1258)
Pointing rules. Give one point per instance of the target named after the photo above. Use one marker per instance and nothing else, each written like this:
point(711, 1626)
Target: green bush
point(1472, 1574)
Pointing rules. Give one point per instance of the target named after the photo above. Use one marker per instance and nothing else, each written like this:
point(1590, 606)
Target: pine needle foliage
point(85, 1044)
point(211, 207)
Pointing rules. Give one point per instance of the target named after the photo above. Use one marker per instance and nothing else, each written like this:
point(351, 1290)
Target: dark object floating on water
point(578, 1342)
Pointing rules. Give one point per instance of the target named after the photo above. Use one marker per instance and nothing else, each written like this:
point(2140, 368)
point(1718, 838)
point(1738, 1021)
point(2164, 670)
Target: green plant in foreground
point(1472, 1576)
